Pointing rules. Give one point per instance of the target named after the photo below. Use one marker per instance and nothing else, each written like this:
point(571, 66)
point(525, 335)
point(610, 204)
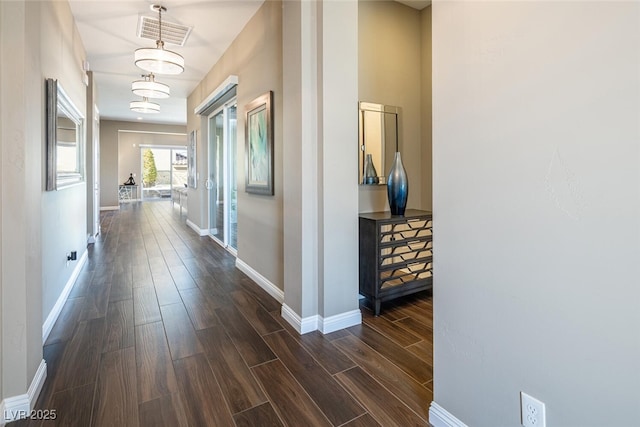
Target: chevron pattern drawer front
point(396, 255)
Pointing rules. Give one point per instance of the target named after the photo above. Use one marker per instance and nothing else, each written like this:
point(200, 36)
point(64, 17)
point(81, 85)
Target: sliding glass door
point(222, 182)
point(163, 169)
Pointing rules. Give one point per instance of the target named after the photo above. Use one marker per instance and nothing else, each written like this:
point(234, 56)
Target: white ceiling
point(108, 32)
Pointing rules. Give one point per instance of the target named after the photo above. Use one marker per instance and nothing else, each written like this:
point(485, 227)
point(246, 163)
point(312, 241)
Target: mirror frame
point(362, 142)
point(57, 101)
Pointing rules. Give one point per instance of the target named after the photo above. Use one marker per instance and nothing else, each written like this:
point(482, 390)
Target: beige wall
point(394, 69)
point(63, 212)
point(320, 42)
point(338, 219)
point(110, 176)
point(537, 208)
point(37, 40)
point(255, 56)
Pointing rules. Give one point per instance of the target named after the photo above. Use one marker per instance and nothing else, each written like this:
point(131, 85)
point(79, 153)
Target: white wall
point(536, 108)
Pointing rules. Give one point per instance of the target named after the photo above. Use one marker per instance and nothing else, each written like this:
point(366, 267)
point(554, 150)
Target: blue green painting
point(258, 147)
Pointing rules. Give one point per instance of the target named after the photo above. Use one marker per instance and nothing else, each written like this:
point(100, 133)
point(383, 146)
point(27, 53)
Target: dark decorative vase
point(397, 186)
point(370, 173)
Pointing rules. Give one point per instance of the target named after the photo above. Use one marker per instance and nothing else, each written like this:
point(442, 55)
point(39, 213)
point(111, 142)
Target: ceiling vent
point(172, 33)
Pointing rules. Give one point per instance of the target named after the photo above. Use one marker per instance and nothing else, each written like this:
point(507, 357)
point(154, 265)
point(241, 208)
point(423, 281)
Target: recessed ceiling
point(416, 4)
point(109, 34)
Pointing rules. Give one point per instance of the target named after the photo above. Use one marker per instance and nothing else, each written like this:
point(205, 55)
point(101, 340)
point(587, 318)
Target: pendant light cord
point(160, 25)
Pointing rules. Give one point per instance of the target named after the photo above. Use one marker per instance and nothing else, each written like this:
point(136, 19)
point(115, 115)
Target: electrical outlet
point(532, 411)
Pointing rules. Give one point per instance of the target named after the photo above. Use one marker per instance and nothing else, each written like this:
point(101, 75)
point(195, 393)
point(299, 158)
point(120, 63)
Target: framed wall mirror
point(378, 141)
point(65, 139)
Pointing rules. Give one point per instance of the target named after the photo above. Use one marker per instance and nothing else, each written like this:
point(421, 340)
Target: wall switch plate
point(532, 411)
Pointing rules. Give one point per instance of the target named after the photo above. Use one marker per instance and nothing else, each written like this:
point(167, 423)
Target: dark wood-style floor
point(161, 329)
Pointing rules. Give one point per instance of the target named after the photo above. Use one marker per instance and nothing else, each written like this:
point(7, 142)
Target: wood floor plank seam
point(318, 361)
point(370, 336)
point(93, 399)
point(397, 382)
point(263, 415)
point(156, 285)
point(308, 411)
point(376, 409)
point(328, 394)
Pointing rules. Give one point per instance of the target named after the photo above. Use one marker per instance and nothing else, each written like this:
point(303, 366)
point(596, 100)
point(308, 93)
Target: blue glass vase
point(370, 174)
point(397, 186)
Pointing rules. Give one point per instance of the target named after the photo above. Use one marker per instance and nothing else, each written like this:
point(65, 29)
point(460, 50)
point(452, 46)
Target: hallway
point(162, 329)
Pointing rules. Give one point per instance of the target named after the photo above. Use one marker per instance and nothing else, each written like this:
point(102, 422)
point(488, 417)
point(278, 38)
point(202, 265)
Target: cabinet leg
point(377, 307)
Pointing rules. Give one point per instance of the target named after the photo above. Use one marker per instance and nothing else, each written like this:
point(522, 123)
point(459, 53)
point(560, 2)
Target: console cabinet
point(396, 255)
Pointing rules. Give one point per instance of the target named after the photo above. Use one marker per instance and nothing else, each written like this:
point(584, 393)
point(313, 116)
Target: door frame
point(161, 147)
point(224, 242)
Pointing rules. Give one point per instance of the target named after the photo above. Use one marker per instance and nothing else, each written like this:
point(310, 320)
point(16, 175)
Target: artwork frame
point(192, 177)
point(258, 134)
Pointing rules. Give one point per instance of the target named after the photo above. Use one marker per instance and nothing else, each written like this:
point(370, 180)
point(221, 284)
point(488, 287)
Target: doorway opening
point(163, 169)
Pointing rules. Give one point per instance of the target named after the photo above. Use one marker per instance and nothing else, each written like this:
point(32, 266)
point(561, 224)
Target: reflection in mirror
point(65, 147)
point(378, 135)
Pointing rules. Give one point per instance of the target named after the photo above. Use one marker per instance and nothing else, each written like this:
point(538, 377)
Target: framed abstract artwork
point(259, 145)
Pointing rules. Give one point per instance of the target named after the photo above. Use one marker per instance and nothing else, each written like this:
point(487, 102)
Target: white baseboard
point(109, 208)
point(440, 417)
point(198, 230)
point(308, 324)
point(339, 321)
point(319, 323)
point(57, 308)
point(18, 407)
point(302, 325)
point(262, 281)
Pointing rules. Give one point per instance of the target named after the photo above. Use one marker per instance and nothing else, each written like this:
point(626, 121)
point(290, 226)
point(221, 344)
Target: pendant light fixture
point(158, 60)
point(150, 88)
point(144, 106)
